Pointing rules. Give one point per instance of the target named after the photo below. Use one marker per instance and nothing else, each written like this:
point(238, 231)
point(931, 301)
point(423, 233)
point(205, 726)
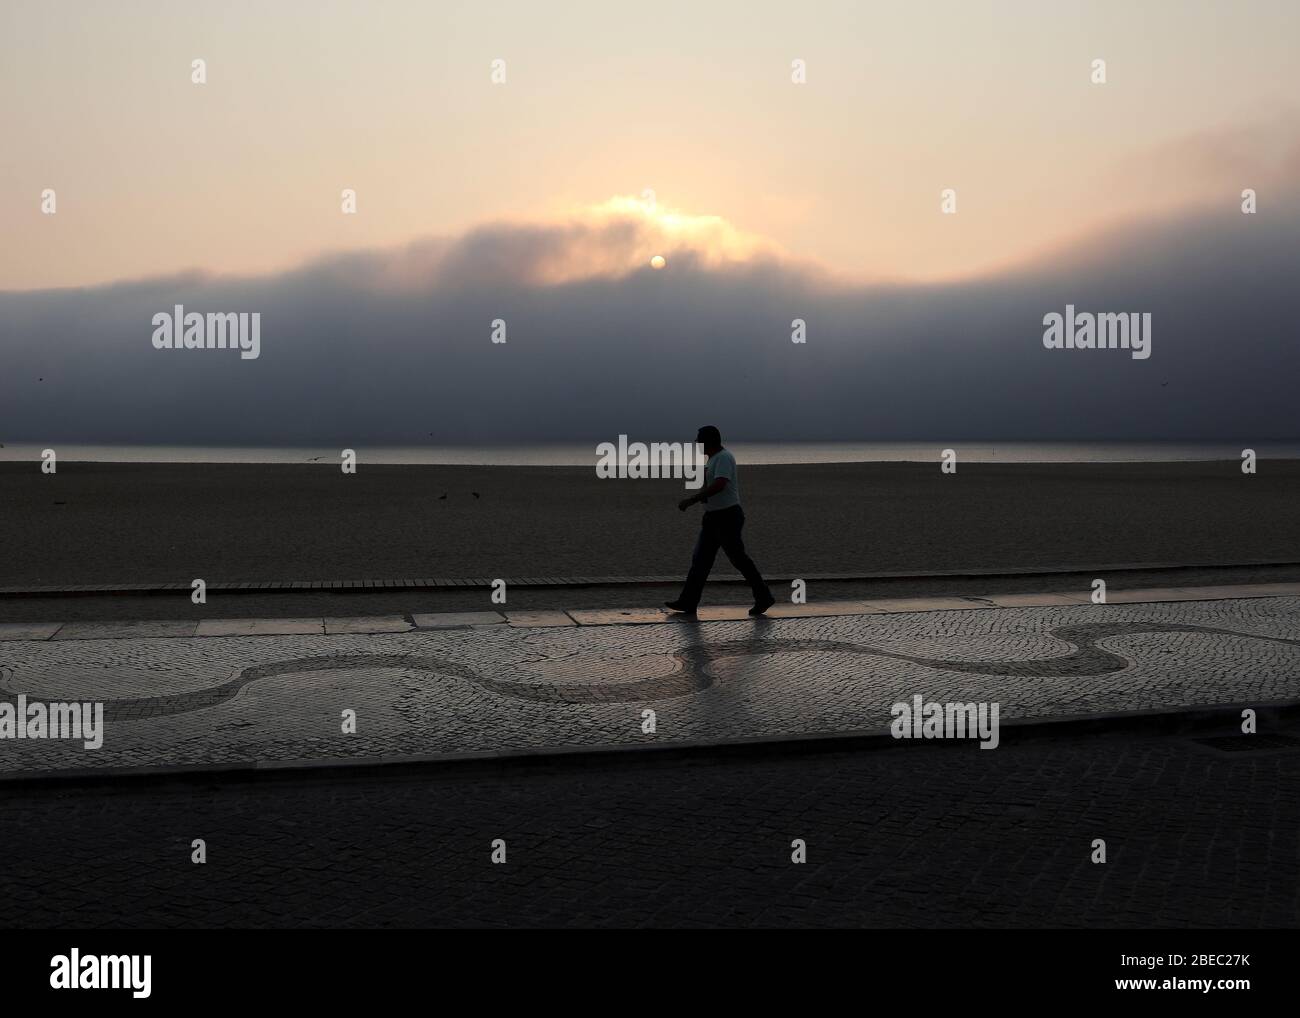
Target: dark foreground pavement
point(915, 835)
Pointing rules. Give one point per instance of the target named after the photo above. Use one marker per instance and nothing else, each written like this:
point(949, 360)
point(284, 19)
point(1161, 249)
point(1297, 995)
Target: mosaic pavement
point(248, 699)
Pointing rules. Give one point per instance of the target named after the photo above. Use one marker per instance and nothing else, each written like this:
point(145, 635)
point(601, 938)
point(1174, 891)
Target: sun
point(657, 262)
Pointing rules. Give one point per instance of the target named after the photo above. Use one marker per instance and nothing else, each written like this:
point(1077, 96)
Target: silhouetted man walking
point(720, 528)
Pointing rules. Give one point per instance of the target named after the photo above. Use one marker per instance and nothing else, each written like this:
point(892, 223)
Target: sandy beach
point(106, 523)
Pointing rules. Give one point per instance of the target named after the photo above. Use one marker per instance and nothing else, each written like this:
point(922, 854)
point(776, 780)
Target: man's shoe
point(677, 606)
point(762, 606)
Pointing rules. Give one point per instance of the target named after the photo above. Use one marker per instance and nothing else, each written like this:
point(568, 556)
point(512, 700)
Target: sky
point(530, 201)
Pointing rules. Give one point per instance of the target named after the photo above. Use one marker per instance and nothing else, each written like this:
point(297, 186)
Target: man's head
point(709, 437)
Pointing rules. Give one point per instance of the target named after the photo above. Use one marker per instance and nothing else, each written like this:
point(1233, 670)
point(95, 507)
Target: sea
point(584, 454)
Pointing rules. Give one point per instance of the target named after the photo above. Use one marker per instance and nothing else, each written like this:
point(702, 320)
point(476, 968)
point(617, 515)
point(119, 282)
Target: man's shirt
point(722, 464)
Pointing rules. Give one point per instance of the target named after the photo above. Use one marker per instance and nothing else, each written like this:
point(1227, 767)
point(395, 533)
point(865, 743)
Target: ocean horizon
point(565, 454)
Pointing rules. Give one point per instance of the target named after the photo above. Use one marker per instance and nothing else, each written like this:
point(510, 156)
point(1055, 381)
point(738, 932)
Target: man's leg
point(734, 547)
point(706, 550)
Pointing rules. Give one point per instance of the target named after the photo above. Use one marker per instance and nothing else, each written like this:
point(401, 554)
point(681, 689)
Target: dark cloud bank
point(395, 347)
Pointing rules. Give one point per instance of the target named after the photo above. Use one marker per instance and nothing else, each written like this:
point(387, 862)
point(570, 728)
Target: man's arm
point(703, 495)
